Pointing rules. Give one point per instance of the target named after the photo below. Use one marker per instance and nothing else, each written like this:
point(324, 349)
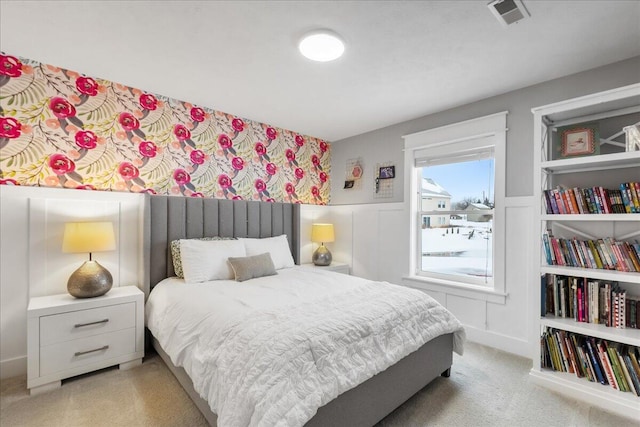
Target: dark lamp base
point(322, 257)
point(90, 280)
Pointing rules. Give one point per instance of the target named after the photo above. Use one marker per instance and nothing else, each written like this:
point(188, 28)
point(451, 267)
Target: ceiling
point(404, 59)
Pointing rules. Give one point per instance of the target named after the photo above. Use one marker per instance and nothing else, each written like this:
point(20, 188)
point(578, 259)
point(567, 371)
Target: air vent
point(508, 11)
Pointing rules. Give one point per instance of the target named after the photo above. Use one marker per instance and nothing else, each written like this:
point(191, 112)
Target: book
point(584, 366)
point(635, 197)
point(556, 364)
point(604, 200)
point(543, 295)
point(580, 261)
point(607, 366)
point(547, 202)
point(564, 352)
point(562, 284)
point(559, 257)
point(573, 359)
point(550, 299)
point(622, 297)
point(590, 201)
point(635, 375)
point(559, 203)
point(626, 372)
point(577, 194)
point(635, 260)
point(626, 199)
point(608, 263)
point(591, 262)
point(573, 203)
point(595, 254)
point(547, 249)
point(596, 198)
point(617, 370)
point(595, 360)
point(634, 360)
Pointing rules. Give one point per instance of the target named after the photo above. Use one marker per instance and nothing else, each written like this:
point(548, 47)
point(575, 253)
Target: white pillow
point(204, 260)
point(277, 247)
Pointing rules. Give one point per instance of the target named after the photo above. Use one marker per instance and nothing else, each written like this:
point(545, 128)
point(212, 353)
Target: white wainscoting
point(371, 238)
point(31, 260)
point(374, 240)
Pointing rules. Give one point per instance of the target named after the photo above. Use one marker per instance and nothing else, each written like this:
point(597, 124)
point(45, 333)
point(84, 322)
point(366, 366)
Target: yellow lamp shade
point(322, 233)
point(88, 237)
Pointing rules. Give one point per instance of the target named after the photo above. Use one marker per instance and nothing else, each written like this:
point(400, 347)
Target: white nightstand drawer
point(84, 323)
point(72, 354)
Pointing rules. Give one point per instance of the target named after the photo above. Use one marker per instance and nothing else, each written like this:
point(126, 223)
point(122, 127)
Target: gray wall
point(384, 145)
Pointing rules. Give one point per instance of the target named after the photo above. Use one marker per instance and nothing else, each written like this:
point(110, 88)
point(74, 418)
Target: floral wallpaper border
point(59, 128)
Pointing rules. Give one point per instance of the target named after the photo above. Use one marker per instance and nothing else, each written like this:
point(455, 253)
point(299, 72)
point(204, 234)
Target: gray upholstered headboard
point(170, 217)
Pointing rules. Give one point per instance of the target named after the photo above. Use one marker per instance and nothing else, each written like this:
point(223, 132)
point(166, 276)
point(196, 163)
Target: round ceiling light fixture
point(321, 46)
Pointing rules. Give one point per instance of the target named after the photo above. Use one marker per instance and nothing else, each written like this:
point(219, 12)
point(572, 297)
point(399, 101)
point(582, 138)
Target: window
point(456, 199)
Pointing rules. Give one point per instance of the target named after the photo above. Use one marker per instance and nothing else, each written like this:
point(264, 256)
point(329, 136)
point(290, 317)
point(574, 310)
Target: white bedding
point(271, 351)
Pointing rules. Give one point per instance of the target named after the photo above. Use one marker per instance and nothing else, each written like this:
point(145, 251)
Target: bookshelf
point(607, 165)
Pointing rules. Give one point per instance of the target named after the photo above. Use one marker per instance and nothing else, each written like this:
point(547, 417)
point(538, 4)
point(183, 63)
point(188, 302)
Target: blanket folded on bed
point(276, 367)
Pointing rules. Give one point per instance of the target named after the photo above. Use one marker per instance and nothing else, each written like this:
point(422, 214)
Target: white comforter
point(271, 351)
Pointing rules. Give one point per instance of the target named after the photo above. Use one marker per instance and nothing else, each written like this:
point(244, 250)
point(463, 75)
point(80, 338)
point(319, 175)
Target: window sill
point(455, 288)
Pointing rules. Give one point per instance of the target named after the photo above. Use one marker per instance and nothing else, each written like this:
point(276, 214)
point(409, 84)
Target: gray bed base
point(168, 218)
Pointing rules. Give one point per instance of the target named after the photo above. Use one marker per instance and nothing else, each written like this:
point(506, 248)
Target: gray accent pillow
point(175, 253)
point(252, 267)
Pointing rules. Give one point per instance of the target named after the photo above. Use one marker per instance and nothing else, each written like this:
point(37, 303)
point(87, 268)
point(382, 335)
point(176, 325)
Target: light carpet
point(487, 387)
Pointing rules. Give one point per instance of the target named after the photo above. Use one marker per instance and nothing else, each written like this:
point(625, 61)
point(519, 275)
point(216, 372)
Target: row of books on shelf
point(589, 301)
point(606, 253)
point(595, 359)
point(593, 200)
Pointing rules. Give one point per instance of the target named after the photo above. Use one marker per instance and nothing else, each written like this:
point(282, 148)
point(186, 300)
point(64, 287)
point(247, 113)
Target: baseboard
point(10, 368)
point(501, 342)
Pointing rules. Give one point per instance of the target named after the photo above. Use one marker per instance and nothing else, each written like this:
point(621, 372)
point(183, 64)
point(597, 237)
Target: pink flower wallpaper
point(59, 128)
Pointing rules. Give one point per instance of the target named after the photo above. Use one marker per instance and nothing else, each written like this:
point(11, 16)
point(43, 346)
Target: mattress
point(271, 351)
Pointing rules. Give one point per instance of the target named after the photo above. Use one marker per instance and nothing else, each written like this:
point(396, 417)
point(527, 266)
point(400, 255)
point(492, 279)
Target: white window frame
point(473, 135)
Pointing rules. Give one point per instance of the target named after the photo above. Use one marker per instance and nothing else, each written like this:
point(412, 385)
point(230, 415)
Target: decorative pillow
point(175, 253)
point(252, 267)
point(204, 260)
point(277, 247)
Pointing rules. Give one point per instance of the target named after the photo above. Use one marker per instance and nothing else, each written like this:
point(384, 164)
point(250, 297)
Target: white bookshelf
point(614, 164)
point(613, 275)
point(634, 217)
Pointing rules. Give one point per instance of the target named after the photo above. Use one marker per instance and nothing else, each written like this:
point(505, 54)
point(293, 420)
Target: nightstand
point(338, 267)
point(69, 336)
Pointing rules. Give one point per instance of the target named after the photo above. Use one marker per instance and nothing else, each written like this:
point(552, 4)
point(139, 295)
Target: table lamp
point(322, 233)
point(91, 279)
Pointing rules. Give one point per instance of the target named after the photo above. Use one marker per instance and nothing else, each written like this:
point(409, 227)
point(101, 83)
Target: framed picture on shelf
point(579, 140)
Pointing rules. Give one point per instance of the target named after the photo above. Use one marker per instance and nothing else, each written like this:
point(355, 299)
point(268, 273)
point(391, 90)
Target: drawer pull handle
point(80, 353)
point(80, 325)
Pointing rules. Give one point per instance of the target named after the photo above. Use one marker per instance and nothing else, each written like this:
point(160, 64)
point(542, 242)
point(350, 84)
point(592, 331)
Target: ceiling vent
point(508, 11)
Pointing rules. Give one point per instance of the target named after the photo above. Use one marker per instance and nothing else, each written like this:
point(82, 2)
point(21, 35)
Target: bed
point(362, 404)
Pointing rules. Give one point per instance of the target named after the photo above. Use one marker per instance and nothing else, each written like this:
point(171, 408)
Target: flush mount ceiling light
point(321, 46)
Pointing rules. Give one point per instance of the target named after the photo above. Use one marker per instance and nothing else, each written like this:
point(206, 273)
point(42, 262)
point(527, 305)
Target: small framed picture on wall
point(387, 172)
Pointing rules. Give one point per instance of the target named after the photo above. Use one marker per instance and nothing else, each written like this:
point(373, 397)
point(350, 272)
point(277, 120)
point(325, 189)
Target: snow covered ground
point(467, 252)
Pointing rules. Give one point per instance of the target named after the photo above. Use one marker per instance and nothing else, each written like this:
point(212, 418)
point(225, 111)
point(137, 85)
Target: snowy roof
point(432, 188)
point(478, 206)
